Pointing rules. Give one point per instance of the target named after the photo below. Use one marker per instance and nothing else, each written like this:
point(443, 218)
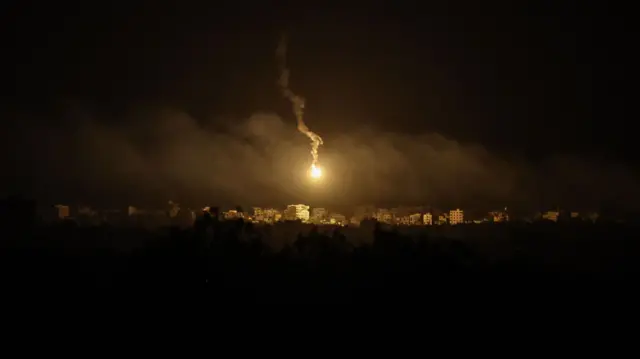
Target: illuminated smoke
point(296, 101)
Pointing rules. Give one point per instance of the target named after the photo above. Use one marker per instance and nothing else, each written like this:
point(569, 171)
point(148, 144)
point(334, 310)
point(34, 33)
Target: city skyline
point(400, 215)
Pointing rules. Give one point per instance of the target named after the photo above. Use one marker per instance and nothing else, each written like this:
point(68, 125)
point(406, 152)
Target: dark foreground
point(238, 259)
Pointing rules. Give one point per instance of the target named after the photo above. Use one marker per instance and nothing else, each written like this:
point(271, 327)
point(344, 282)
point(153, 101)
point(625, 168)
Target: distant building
point(271, 215)
point(456, 216)
point(337, 218)
point(427, 219)
point(415, 219)
point(258, 215)
point(63, 211)
point(443, 218)
point(319, 215)
point(551, 215)
point(232, 214)
point(384, 215)
point(297, 212)
point(174, 209)
point(395, 212)
point(131, 210)
point(499, 216)
point(289, 213)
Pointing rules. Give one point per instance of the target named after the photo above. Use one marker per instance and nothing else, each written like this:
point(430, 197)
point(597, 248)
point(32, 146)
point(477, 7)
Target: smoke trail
point(296, 101)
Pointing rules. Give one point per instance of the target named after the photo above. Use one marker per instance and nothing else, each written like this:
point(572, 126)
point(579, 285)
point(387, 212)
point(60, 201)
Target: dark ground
point(235, 261)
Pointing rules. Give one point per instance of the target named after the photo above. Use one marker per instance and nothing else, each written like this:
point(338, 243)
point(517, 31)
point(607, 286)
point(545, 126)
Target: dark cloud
point(158, 155)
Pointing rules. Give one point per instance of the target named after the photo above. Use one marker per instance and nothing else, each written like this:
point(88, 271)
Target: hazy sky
point(147, 102)
point(159, 154)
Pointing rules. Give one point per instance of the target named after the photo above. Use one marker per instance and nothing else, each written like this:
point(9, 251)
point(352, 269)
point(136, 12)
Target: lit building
point(318, 215)
point(131, 210)
point(258, 214)
point(456, 216)
point(232, 214)
point(297, 212)
point(395, 213)
point(63, 211)
point(427, 219)
point(384, 215)
point(499, 216)
point(415, 219)
point(443, 218)
point(337, 218)
point(174, 210)
point(289, 213)
point(271, 215)
point(551, 215)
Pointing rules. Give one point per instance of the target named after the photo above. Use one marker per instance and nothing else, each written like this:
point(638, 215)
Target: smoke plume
point(296, 101)
point(159, 155)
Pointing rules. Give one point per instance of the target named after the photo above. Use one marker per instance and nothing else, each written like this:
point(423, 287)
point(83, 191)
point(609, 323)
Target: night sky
point(496, 106)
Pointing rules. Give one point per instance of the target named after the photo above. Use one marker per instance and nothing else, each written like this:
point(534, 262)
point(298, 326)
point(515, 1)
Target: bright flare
point(316, 172)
